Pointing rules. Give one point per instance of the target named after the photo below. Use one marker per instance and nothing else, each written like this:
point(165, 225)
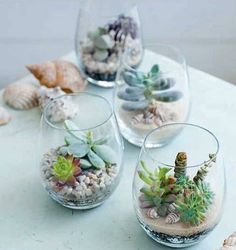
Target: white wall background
point(37, 30)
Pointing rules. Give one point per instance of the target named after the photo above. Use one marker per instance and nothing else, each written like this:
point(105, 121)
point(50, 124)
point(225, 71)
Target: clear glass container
point(153, 94)
point(81, 157)
point(179, 189)
point(104, 29)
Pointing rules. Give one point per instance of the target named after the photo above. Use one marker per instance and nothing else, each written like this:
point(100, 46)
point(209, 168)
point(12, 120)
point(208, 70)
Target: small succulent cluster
point(104, 41)
point(177, 197)
point(81, 152)
point(144, 88)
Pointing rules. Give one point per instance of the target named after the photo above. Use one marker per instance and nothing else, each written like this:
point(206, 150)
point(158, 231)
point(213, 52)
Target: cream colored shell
point(4, 116)
point(229, 243)
point(58, 73)
point(21, 96)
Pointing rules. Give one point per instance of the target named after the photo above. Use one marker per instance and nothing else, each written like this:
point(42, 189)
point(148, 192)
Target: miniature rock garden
point(82, 172)
point(175, 208)
point(100, 52)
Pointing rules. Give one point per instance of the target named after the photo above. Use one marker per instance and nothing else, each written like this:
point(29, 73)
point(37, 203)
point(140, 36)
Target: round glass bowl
point(153, 94)
point(102, 34)
point(179, 189)
point(80, 155)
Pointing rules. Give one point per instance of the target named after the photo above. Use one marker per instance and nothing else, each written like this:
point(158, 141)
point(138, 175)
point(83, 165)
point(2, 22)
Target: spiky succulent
point(190, 199)
point(92, 153)
point(144, 88)
point(66, 170)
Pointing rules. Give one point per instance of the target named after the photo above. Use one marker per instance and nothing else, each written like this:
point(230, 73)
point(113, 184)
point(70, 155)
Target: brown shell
point(58, 73)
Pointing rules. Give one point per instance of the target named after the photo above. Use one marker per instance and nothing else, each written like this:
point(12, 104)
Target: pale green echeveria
point(92, 153)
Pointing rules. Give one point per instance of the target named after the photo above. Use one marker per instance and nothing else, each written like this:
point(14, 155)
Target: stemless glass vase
point(104, 29)
point(81, 157)
point(178, 190)
point(153, 94)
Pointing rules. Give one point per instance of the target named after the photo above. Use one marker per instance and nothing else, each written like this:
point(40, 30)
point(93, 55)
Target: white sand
point(181, 229)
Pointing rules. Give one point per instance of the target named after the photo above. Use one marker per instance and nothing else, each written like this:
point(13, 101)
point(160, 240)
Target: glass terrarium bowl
point(102, 34)
point(153, 94)
point(179, 189)
point(80, 155)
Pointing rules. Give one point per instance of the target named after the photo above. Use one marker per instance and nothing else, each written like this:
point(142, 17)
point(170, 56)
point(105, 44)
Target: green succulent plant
point(191, 199)
point(65, 170)
point(92, 153)
point(144, 88)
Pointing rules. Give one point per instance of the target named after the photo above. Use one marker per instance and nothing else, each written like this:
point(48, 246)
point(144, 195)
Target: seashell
point(231, 240)
point(21, 96)
point(172, 208)
point(58, 73)
point(4, 116)
point(61, 109)
point(172, 218)
point(152, 213)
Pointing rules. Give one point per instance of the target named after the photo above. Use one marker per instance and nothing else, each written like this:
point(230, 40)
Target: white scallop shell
point(4, 116)
point(21, 96)
point(152, 213)
point(62, 109)
point(172, 218)
point(231, 240)
point(171, 208)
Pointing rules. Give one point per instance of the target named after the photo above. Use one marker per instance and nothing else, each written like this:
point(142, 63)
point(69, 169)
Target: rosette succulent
point(66, 170)
point(144, 88)
point(90, 152)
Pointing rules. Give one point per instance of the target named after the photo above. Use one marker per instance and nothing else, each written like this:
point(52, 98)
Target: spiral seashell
point(4, 116)
point(172, 218)
point(172, 208)
point(231, 240)
point(58, 73)
point(152, 213)
point(21, 96)
point(61, 109)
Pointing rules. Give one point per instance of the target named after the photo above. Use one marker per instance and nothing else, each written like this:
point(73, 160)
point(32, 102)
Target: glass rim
point(131, 7)
point(146, 149)
point(111, 112)
point(177, 52)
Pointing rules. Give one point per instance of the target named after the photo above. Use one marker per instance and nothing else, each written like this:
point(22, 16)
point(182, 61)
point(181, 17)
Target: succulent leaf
point(106, 139)
point(145, 178)
point(96, 161)
point(104, 42)
point(63, 150)
point(84, 164)
point(131, 79)
point(106, 153)
point(79, 150)
point(167, 96)
point(135, 97)
point(73, 129)
point(135, 90)
point(133, 106)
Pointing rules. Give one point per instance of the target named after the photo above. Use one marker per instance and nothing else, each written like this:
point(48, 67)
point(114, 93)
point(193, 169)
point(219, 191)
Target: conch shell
point(58, 73)
point(4, 116)
point(229, 243)
point(21, 96)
